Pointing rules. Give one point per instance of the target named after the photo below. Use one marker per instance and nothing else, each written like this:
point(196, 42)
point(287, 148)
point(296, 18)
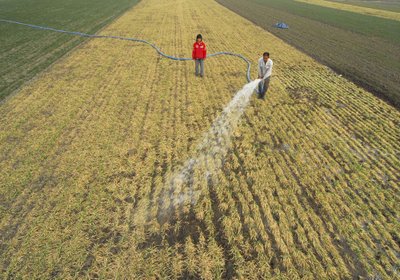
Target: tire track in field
point(354, 106)
point(283, 179)
point(254, 192)
point(221, 238)
point(317, 213)
point(277, 144)
point(343, 248)
point(367, 156)
point(343, 131)
point(276, 258)
point(283, 185)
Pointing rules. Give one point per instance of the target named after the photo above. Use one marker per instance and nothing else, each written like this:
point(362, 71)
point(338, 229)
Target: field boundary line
point(111, 19)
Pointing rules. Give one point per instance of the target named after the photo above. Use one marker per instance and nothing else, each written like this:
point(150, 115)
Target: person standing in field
point(199, 54)
point(264, 72)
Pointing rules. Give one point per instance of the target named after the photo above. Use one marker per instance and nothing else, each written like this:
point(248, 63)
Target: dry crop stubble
point(353, 8)
point(91, 143)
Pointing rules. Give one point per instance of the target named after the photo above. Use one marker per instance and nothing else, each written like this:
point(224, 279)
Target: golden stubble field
point(354, 8)
point(309, 188)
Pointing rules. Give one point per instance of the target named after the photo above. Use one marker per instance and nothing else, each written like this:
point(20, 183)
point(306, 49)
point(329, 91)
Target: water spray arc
point(209, 155)
point(180, 186)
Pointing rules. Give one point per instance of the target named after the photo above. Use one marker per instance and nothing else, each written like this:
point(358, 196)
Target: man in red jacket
point(199, 54)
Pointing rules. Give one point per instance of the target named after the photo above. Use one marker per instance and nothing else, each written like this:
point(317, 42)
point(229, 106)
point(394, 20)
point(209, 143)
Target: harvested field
point(354, 8)
point(309, 187)
point(26, 52)
point(361, 47)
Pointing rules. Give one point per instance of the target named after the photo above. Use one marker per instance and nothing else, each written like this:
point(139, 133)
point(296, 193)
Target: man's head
point(266, 56)
point(199, 38)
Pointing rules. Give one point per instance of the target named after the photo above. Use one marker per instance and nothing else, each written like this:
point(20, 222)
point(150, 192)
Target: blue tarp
point(282, 25)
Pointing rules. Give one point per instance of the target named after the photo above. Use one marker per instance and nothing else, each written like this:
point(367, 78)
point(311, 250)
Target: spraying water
point(180, 188)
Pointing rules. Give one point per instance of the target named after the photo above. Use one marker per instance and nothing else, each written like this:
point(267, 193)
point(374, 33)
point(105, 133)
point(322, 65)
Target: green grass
point(25, 52)
point(359, 23)
point(363, 48)
point(388, 5)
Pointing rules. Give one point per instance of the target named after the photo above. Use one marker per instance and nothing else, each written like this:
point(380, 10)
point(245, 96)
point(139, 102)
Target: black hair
point(199, 37)
point(266, 54)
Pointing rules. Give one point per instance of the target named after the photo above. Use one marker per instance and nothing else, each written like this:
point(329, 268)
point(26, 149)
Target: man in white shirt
point(265, 65)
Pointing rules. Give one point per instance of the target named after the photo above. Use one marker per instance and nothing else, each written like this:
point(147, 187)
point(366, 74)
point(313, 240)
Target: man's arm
point(266, 73)
point(259, 70)
point(268, 66)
